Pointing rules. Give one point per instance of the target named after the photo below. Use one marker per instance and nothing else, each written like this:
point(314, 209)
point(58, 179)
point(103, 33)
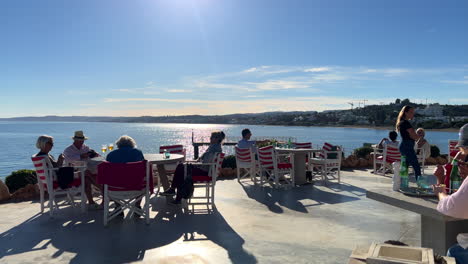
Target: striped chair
point(46, 179)
point(205, 181)
point(385, 157)
point(328, 162)
point(274, 170)
point(246, 163)
point(452, 150)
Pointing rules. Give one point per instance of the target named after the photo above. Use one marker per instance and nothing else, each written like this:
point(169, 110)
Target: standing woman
point(408, 136)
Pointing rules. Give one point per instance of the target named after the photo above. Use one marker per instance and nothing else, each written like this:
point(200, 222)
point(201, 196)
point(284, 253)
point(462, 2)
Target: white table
point(159, 158)
point(299, 162)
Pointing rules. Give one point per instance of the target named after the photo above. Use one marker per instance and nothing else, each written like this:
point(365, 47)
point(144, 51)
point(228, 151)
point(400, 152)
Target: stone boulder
point(30, 192)
point(431, 161)
point(4, 192)
point(228, 172)
point(441, 160)
point(353, 161)
point(363, 163)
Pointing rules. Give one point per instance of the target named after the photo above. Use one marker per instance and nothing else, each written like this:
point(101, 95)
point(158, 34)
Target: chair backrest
point(218, 162)
point(326, 147)
point(391, 153)
point(131, 176)
point(244, 155)
point(452, 150)
point(305, 145)
point(173, 149)
point(42, 163)
point(267, 157)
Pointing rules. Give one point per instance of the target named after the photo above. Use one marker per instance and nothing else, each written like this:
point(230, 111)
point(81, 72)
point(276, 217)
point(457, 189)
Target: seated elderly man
point(126, 152)
point(79, 151)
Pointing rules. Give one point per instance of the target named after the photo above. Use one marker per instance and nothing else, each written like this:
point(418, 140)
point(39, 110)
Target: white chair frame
point(326, 167)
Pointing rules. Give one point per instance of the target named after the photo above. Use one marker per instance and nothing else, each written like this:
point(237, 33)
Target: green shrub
point(229, 162)
point(19, 179)
point(362, 152)
point(435, 151)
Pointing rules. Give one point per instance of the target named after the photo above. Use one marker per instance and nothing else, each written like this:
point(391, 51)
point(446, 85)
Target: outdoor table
point(438, 231)
point(92, 164)
point(159, 159)
point(299, 162)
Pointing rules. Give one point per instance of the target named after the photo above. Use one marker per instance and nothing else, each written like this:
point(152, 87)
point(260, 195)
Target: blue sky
point(173, 57)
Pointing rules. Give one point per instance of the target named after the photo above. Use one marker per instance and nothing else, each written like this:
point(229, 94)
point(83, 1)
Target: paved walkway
point(310, 224)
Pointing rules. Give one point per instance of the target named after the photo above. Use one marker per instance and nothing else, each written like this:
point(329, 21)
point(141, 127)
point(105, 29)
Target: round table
point(159, 158)
point(299, 162)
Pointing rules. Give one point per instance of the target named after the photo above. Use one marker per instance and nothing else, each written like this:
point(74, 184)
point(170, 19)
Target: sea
point(18, 139)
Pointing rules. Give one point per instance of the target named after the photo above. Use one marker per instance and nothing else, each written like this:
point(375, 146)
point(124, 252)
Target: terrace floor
point(308, 224)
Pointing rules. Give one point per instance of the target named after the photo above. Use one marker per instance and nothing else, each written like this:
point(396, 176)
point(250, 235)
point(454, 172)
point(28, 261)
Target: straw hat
point(79, 136)
point(463, 140)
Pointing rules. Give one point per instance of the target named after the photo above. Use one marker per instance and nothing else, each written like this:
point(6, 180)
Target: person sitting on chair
point(216, 139)
point(422, 143)
point(391, 140)
point(45, 143)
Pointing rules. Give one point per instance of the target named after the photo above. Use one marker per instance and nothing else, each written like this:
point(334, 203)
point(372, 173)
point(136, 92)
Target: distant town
point(429, 116)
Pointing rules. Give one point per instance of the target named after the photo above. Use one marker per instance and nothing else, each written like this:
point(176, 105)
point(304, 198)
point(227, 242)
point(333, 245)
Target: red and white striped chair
point(452, 150)
point(204, 181)
point(170, 168)
point(279, 173)
point(328, 162)
point(385, 157)
point(305, 145)
point(46, 179)
point(245, 162)
point(126, 184)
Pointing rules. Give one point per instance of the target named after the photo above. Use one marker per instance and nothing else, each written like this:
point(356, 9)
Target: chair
point(421, 155)
point(170, 168)
point(452, 150)
point(47, 182)
point(273, 169)
point(245, 160)
point(126, 184)
point(205, 181)
point(329, 162)
point(385, 157)
point(306, 145)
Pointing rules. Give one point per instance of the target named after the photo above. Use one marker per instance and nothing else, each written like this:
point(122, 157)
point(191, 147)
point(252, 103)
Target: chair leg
point(106, 205)
point(238, 174)
point(41, 193)
point(51, 204)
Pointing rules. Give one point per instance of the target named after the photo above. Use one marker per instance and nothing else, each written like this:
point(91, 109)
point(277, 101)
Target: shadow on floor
point(275, 199)
point(122, 241)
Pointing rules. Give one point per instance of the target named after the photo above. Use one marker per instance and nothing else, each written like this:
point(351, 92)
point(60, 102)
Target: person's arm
point(453, 205)
point(380, 145)
point(412, 133)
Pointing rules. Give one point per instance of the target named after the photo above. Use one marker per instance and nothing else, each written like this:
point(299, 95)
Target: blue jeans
point(460, 254)
point(407, 150)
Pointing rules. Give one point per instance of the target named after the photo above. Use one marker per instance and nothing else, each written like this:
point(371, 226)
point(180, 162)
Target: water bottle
point(404, 173)
point(455, 180)
point(396, 176)
point(289, 143)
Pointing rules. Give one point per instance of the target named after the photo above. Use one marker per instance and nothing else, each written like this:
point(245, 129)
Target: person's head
point(217, 137)
point(421, 132)
point(125, 141)
point(79, 139)
point(392, 135)
point(406, 113)
point(45, 143)
point(246, 133)
point(463, 139)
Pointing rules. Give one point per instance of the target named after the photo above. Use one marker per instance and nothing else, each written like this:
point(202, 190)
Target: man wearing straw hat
point(79, 151)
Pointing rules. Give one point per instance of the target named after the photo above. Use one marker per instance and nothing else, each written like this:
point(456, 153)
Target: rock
point(363, 163)
point(344, 163)
point(228, 172)
point(441, 160)
point(353, 161)
point(31, 191)
point(4, 192)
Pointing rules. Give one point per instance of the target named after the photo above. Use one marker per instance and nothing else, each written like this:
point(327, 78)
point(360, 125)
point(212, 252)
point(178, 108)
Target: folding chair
point(126, 184)
point(278, 173)
point(47, 181)
point(329, 162)
point(385, 158)
point(205, 181)
point(247, 166)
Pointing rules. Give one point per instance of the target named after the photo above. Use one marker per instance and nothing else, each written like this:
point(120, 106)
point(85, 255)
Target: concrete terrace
point(309, 224)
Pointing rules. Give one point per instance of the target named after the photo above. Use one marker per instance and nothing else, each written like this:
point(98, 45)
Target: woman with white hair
point(45, 143)
point(126, 151)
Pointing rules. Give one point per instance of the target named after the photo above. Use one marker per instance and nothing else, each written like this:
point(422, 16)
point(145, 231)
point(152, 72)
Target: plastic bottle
point(289, 143)
point(404, 173)
point(167, 154)
point(455, 180)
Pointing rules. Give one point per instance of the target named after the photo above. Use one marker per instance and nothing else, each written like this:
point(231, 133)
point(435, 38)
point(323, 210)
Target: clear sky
point(172, 57)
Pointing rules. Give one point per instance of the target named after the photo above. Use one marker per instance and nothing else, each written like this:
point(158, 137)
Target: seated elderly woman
point(45, 143)
point(422, 144)
point(456, 204)
point(216, 139)
point(126, 152)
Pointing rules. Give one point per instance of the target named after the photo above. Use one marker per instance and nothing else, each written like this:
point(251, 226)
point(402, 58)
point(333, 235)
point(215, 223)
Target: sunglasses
point(51, 143)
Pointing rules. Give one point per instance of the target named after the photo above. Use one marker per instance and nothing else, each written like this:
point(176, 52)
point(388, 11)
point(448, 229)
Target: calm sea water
point(17, 139)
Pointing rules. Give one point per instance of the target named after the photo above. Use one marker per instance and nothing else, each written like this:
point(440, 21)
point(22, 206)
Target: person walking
point(408, 138)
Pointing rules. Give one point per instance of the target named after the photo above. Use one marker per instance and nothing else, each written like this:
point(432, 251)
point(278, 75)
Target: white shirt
point(71, 153)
